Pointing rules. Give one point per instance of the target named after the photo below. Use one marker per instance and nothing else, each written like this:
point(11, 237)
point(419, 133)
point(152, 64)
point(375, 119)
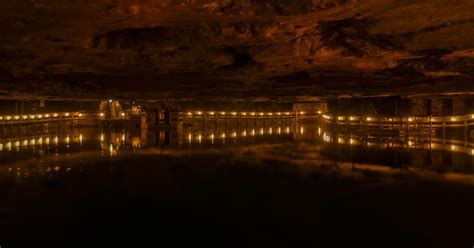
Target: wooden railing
point(402, 122)
point(39, 118)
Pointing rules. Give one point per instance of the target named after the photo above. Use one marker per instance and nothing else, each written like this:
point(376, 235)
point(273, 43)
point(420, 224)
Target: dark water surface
point(280, 185)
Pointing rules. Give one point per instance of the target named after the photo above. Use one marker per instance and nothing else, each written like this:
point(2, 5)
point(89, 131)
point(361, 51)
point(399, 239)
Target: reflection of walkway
point(382, 142)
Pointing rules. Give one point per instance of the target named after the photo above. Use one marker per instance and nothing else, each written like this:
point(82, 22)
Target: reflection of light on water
point(111, 149)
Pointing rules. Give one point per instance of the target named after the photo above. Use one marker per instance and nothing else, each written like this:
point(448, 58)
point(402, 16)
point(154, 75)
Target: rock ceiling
point(294, 47)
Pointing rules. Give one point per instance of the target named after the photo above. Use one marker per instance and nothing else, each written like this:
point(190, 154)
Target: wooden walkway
point(39, 118)
point(402, 123)
point(225, 115)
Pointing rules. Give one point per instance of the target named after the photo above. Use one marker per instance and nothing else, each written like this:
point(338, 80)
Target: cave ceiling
point(235, 48)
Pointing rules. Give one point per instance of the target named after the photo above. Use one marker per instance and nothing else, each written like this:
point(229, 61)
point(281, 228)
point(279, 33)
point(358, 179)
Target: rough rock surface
point(233, 47)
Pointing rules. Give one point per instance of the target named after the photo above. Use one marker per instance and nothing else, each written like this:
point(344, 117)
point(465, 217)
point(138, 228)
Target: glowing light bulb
point(453, 119)
point(211, 113)
point(369, 118)
point(17, 117)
